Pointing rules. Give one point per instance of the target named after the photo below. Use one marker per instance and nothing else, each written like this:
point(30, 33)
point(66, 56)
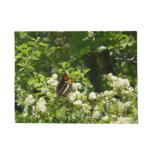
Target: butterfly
point(65, 86)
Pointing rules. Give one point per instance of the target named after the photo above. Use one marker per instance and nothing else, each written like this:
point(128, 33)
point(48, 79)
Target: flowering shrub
point(36, 100)
point(118, 105)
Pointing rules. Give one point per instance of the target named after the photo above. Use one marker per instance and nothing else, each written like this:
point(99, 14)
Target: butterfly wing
point(60, 87)
point(65, 86)
point(65, 77)
point(68, 89)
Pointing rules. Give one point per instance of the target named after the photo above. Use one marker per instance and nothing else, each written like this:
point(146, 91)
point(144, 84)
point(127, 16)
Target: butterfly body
point(65, 86)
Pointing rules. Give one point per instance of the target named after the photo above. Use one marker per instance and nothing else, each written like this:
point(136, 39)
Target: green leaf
point(33, 39)
point(21, 64)
point(60, 70)
point(17, 57)
point(38, 38)
point(76, 73)
point(31, 43)
point(63, 64)
point(84, 82)
point(35, 58)
point(86, 71)
point(42, 44)
point(101, 48)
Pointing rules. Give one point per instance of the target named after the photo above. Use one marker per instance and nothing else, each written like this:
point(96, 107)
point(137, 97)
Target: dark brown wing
point(65, 86)
point(68, 89)
point(60, 86)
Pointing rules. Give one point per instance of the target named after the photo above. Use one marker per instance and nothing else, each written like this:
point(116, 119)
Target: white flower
point(77, 85)
point(96, 115)
point(126, 83)
point(128, 92)
point(71, 97)
point(127, 104)
point(106, 93)
point(99, 96)
point(96, 108)
point(43, 90)
point(25, 114)
point(123, 120)
point(109, 76)
point(30, 97)
point(55, 76)
point(79, 96)
point(77, 103)
point(29, 100)
point(130, 89)
point(106, 101)
point(114, 100)
point(53, 80)
point(121, 107)
point(55, 83)
point(118, 83)
point(105, 118)
point(40, 105)
point(48, 93)
point(86, 111)
point(114, 78)
point(50, 80)
point(109, 94)
point(25, 108)
point(92, 96)
point(77, 93)
point(113, 116)
point(86, 108)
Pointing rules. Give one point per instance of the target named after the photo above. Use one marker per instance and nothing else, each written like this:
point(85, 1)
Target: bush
point(36, 100)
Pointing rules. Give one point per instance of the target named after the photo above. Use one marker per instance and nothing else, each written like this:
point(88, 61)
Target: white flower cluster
point(128, 91)
point(25, 112)
point(77, 103)
point(123, 120)
point(40, 106)
point(105, 118)
point(53, 80)
point(118, 83)
point(122, 107)
point(73, 97)
point(113, 104)
point(76, 86)
point(44, 90)
point(28, 102)
point(76, 98)
point(86, 108)
point(92, 96)
point(127, 104)
point(96, 115)
point(109, 94)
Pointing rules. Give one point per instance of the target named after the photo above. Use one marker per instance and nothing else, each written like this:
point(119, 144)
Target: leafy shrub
point(36, 99)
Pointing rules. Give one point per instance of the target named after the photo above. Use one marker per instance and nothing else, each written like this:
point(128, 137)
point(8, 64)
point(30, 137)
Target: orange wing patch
point(69, 81)
point(65, 77)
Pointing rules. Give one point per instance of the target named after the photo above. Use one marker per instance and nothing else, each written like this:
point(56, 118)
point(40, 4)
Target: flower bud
point(92, 96)
point(77, 103)
point(55, 76)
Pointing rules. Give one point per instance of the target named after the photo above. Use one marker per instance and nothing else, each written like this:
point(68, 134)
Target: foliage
point(39, 55)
